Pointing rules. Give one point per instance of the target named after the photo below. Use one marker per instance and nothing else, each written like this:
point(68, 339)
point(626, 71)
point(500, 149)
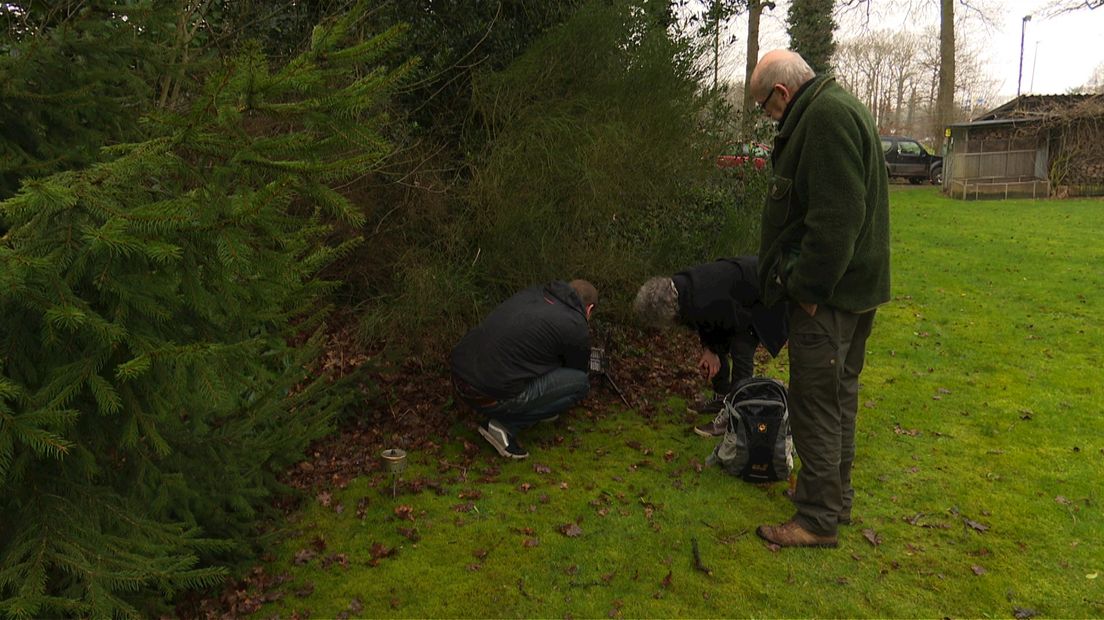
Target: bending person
point(720, 300)
point(527, 361)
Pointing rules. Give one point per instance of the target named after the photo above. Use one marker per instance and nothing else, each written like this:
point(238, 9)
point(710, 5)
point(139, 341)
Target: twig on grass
point(588, 584)
point(697, 558)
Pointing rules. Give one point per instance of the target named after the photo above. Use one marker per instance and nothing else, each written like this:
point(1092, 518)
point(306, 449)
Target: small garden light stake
point(396, 463)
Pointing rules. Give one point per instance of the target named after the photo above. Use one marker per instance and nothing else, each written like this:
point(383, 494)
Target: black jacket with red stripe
point(530, 334)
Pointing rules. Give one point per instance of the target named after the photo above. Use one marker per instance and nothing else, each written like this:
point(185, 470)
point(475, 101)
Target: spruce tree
point(811, 28)
point(161, 313)
point(74, 76)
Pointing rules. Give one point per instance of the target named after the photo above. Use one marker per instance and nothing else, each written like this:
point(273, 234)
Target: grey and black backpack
point(757, 447)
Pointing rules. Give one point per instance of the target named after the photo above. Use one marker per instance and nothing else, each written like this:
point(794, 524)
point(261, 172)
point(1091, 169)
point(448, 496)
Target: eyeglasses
point(763, 104)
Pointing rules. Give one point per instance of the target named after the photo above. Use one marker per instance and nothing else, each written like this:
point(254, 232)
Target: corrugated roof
point(995, 122)
point(1032, 106)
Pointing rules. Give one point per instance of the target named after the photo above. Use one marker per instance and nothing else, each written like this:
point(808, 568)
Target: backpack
point(758, 446)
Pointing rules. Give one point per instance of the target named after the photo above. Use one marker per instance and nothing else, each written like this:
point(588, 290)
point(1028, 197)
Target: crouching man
point(527, 361)
point(719, 300)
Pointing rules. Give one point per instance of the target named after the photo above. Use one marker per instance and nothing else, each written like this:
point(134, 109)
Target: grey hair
point(656, 302)
point(790, 70)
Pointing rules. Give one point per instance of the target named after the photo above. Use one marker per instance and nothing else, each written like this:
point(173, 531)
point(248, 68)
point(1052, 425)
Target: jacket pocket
point(778, 200)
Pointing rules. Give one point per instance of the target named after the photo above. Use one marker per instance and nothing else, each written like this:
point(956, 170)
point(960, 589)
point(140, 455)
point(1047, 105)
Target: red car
point(748, 154)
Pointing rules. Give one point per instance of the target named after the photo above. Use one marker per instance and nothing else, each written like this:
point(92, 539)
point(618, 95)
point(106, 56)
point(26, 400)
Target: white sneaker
point(501, 440)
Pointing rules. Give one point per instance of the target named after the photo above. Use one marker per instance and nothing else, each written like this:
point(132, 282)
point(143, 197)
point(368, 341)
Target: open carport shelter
point(1034, 146)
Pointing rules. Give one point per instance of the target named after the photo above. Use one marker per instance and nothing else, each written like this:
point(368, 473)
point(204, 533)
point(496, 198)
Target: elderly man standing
point(825, 249)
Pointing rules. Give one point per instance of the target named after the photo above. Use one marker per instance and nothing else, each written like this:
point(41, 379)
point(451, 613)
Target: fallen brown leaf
point(911, 432)
point(340, 559)
point(379, 551)
point(571, 530)
point(974, 525)
point(872, 537)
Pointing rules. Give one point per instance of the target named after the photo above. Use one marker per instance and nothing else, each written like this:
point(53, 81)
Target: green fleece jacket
point(825, 233)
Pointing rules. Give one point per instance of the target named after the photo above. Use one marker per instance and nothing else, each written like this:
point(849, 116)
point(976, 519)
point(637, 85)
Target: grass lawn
point(978, 477)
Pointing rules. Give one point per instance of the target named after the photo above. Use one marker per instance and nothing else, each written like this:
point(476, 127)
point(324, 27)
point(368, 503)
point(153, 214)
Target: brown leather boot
point(791, 534)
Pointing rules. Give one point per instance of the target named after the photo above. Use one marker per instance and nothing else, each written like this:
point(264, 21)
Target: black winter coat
point(721, 298)
point(530, 334)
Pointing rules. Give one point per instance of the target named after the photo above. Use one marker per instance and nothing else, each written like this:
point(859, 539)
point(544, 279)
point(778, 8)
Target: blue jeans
point(545, 397)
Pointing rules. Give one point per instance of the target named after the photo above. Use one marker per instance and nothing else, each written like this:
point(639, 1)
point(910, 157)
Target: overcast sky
point(1059, 52)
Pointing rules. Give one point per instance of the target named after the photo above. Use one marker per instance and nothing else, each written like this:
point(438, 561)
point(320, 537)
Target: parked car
point(746, 155)
point(906, 158)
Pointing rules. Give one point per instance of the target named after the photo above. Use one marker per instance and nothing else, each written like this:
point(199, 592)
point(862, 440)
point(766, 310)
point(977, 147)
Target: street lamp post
point(1023, 29)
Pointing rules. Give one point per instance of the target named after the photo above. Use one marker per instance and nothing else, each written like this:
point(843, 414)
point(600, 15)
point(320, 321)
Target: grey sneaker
point(501, 440)
point(716, 428)
point(710, 406)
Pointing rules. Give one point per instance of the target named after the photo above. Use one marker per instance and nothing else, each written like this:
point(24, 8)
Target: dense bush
point(591, 160)
point(160, 317)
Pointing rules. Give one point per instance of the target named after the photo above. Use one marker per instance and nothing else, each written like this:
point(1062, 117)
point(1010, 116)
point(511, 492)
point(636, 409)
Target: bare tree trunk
point(899, 105)
point(755, 11)
point(945, 100)
point(911, 111)
point(716, 38)
point(189, 21)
